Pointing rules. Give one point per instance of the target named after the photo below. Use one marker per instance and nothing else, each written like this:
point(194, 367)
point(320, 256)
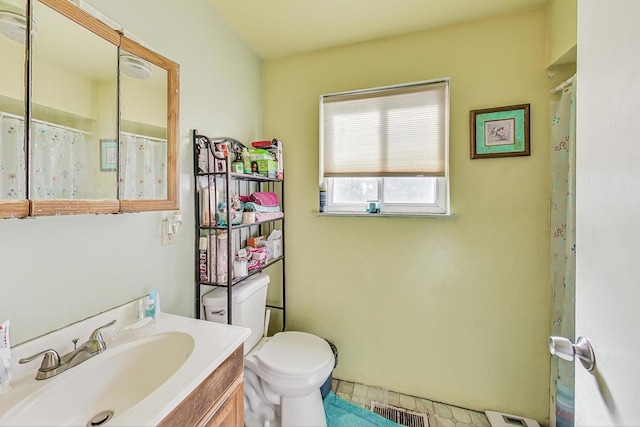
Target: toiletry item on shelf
point(234, 215)
point(225, 215)
point(240, 264)
point(148, 305)
point(237, 167)
point(209, 202)
point(373, 206)
point(152, 307)
point(254, 242)
point(279, 160)
point(240, 268)
point(211, 159)
point(217, 256)
point(261, 144)
point(273, 245)
point(202, 259)
point(323, 196)
point(244, 253)
point(248, 215)
point(258, 258)
point(206, 159)
point(246, 161)
point(5, 354)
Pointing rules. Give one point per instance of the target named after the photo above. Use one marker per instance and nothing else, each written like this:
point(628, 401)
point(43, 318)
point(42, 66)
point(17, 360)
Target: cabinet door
point(202, 404)
point(231, 414)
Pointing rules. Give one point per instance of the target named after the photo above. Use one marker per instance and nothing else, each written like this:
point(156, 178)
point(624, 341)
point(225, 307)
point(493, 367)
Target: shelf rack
point(204, 166)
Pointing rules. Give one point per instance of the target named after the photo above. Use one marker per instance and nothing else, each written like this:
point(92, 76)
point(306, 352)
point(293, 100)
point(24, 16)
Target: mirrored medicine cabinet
point(88, 116)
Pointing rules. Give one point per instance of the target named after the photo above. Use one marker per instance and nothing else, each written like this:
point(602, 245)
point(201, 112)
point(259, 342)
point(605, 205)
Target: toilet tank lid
point(239, 293)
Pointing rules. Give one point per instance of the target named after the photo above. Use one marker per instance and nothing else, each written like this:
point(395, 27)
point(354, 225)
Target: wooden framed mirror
point(149, 98)
point(80, 110)
point(74, 105)
point(13, 191)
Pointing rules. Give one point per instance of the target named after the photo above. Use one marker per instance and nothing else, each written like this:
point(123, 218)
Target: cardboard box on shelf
point(279, 160)
point(254, 157)
point(267, 168)
point(254, 242)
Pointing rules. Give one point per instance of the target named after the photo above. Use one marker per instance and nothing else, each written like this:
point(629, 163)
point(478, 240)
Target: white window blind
point(397, 131)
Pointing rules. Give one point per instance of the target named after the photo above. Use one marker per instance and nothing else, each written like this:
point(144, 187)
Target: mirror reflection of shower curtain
point(61, 163)
point(563, 252)
point(143, 167)
point(12, 165)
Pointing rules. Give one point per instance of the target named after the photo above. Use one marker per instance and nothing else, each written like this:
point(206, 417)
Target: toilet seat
point(294, 354)
point(291, 363)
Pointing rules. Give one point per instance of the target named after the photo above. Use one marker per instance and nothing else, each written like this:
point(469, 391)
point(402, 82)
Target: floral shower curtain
point(61, 163)
point(563, 252)
point(12, 166)
point(143, 167)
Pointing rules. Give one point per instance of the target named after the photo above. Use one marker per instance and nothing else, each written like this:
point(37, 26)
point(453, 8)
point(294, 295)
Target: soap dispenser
point(246, 161)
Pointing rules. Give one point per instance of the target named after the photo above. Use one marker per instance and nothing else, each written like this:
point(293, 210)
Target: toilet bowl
point(283, 373)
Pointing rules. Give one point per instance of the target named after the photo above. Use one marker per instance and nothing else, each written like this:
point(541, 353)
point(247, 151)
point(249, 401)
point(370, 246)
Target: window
point(387, 144)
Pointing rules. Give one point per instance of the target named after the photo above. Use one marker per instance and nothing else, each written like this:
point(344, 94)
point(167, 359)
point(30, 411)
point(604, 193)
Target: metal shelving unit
point(226, 182)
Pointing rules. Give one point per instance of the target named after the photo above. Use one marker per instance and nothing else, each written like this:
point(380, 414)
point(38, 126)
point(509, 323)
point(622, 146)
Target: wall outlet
point(168, 238)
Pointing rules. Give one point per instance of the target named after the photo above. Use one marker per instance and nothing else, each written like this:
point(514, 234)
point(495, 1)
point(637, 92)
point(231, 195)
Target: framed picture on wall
point(108, 155)
point(500, 132)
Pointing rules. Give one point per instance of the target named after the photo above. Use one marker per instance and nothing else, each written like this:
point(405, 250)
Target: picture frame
point(108, 155)
point(500, 132)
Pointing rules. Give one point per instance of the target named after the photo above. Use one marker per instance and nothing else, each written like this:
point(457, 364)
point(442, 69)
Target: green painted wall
point(61, 269)
point(455, 310)
point(562, 19)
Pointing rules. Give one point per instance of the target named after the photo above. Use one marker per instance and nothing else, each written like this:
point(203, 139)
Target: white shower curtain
point(563, 252)
point(12, 165)
point(143, 167)
point(61, 163)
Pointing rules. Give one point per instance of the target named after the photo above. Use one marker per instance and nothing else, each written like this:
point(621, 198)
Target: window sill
point(386, 215)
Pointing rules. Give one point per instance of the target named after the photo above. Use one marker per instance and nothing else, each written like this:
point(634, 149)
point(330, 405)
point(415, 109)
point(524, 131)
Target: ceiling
point(280, 28)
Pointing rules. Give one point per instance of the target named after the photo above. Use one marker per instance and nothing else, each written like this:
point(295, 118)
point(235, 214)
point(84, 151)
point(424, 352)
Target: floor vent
point(400, 416)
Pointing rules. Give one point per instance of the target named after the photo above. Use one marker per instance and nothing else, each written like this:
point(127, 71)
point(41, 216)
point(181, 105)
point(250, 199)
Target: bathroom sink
point(105, 386)
point(133, 383)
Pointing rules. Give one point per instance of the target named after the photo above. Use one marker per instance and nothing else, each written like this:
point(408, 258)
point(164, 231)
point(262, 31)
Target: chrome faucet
point(54, 364)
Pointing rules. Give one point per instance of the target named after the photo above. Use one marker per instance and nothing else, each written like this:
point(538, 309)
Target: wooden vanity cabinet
point(231, 412)
point(217, 401)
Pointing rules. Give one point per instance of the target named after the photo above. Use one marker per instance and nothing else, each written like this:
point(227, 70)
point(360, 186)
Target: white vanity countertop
point(213, 343)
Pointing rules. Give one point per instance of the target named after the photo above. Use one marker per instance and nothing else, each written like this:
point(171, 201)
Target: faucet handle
point(50, 361)
point(97, 335)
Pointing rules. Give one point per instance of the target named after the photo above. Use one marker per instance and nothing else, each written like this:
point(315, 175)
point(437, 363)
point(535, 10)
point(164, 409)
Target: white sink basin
point(113, 381)
point(137, 383)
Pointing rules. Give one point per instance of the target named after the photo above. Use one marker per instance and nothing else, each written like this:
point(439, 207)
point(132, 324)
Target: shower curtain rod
point(564, 84)
point(14, 116)
point(42, 122)
point(151, 138)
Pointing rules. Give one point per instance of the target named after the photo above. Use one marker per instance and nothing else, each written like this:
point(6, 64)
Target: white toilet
point(283, 373)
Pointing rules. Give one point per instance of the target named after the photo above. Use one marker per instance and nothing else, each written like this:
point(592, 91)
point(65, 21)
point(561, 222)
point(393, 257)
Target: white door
point(608, 211)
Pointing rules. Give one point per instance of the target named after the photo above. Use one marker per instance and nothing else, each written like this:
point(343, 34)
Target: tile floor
point(440, 415)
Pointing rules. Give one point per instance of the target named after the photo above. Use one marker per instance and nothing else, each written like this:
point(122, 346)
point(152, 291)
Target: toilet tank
point(249, 300)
